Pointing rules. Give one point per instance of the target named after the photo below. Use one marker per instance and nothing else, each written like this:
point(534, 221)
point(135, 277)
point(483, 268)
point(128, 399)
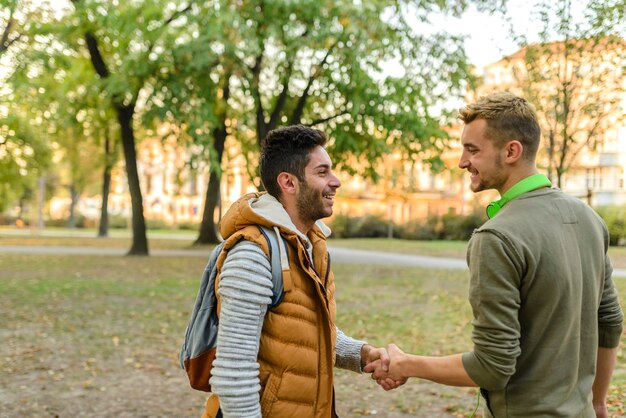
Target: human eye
point(323, 171)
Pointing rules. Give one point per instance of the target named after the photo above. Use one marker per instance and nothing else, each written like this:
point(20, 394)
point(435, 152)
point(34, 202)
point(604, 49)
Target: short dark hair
point(287, 150)
point(508, 117)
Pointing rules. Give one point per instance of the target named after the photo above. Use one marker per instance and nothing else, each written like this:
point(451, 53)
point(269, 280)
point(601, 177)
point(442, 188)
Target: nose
point(334, 182)
point(464, 161)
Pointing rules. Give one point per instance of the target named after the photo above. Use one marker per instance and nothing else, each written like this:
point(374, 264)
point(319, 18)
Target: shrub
point(369, 226)
point(447, 227)
point(157, 224)
point(615, 220)
point(458, 227)
point(118, 222)
point(188, 226)
point(343, 226)
point(13, 221)
point(61, 222)
point(425, 230)
point(373, 226)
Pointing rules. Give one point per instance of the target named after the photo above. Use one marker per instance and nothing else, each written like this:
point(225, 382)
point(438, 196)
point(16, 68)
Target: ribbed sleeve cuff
point(608, 337)
point(348, 352)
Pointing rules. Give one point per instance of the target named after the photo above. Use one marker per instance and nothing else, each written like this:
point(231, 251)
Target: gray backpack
point(199, 348)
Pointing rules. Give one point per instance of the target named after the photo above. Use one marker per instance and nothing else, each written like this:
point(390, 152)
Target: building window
point(595, 178)
point(193, 183)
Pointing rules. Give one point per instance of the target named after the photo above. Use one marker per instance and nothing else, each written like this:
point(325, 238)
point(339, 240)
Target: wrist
point(401, 364)
point(365, 351)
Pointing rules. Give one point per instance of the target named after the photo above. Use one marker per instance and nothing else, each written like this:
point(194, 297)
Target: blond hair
point(508, 117)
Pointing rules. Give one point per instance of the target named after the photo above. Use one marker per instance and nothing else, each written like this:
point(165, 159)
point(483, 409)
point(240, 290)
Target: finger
point(388, 384)
point(384, 359)
point(379, 374)
point(392, 383)
point(371, 366)
point(383, 384)
point(399, 383)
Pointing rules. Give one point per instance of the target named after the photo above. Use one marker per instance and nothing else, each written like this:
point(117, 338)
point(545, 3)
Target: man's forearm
point(446, 370)
point(604, 370)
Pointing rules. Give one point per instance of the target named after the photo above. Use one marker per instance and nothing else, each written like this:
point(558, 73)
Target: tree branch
point(169, 20)
point(94, 51)
point(590, 134)
point(12, 41)
point(152, 45)
point(5, 42)
point(297, 113)
point(280, 102)
point(177, 13)
point(256, 93)
point(96, 57)
point(328, 119)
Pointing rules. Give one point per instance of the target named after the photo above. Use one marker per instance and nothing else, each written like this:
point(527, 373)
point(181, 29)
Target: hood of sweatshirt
point(264, 209)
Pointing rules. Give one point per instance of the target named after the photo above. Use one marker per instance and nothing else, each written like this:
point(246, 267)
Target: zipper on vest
point(327, 270)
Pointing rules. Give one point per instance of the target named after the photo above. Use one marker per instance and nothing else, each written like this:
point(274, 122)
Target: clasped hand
point(380, 362)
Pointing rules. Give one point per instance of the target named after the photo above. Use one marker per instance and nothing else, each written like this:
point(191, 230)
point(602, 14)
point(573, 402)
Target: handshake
point(383, 364)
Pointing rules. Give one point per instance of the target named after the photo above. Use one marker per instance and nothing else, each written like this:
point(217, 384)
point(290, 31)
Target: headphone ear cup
point(492, 209)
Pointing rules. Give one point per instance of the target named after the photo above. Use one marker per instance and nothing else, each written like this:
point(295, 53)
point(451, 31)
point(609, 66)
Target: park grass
point(455, 249)
point(86, 241)
point(160, 240)
point(99, 336)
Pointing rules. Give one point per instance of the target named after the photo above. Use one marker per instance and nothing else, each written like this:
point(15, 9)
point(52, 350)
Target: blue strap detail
point(277, 269)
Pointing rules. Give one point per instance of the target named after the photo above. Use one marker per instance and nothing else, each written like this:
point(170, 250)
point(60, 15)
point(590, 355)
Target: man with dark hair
point(287, 150)
point(278, 362)
point(547, 321)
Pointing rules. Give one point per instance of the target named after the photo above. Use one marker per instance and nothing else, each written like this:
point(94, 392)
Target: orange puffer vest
point(297, 346)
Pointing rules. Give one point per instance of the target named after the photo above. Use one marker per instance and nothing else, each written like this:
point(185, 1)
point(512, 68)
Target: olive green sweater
point(543, 301)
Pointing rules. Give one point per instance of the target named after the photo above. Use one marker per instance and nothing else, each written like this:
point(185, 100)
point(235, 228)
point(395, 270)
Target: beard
point(310, 204)
point(495, 181)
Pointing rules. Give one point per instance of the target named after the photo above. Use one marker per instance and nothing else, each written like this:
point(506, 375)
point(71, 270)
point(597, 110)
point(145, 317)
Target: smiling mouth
point(330, 197)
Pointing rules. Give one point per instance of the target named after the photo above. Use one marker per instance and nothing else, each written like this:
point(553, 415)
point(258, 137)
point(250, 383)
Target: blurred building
point(174, 185)
point(585, 78)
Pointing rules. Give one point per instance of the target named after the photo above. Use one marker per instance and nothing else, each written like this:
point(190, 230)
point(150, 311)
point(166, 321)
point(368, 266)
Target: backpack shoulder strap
point(279, 261)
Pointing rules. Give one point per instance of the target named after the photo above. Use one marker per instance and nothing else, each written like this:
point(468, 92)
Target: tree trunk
point(125, 118)
point(208, 227)
point(41, 200)
point(71, 222)
point(103, 228)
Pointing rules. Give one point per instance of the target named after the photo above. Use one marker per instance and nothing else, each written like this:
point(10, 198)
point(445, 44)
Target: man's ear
point(288, 183)
point(513, 151)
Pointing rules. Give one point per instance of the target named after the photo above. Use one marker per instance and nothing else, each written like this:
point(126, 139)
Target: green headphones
point(534, 182)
